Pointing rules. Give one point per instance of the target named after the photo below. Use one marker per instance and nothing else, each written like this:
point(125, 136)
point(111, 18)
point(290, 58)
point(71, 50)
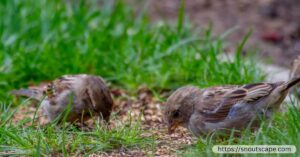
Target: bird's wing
point(97, 95)
point(92, 90)
point(211, 97)
point(216, 108)
point(100, 94)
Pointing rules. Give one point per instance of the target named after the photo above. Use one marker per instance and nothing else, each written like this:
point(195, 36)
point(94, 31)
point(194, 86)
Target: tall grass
point(41, 40)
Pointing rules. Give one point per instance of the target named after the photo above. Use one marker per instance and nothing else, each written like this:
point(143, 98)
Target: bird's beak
point(172, 127)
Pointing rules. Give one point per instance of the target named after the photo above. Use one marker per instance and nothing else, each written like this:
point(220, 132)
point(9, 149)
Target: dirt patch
point(275, 23)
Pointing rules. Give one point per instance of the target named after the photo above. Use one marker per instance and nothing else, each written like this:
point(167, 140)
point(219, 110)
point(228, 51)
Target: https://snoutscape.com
point(254, 149)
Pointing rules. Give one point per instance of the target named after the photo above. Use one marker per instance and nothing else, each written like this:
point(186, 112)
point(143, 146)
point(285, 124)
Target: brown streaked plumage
point(224, 108)
point(295, 72)
point(87, 96)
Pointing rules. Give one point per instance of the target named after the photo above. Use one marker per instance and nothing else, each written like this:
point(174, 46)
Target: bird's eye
point(175, 114)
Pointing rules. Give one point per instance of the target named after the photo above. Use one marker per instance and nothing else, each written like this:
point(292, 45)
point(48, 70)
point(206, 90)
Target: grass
point(46, 39)
point(41, 40)
point(42, 140)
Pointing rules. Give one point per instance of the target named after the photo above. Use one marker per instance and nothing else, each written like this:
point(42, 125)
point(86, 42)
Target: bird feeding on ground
point(85, 95)
point(224, 108)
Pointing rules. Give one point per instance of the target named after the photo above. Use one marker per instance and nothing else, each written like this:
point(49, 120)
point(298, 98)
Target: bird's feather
point(29, 93)
point(219, 105)
point(88, 95)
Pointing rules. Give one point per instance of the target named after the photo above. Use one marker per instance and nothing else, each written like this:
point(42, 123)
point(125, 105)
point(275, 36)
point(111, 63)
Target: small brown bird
point(87, 96)
point(223, 108)
point(295, 72)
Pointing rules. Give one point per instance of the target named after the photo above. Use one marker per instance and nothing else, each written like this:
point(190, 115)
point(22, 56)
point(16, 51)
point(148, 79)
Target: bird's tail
point(30, 93)
point(287, 85)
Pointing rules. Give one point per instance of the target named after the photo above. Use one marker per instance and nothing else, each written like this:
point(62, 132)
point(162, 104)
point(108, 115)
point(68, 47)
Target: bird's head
point(180, 106)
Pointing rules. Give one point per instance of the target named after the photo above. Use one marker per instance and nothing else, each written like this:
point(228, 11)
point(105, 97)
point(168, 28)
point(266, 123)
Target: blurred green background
point(41, 40)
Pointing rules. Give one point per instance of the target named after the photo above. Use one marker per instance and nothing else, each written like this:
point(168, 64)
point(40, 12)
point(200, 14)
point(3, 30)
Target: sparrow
point(295, 72)
point(223, 108)
point(85, 95)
